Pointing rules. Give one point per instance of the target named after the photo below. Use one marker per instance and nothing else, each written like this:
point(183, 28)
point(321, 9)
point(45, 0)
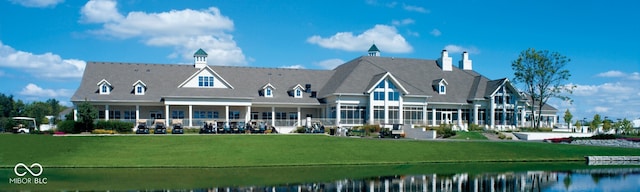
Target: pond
point(553, 176)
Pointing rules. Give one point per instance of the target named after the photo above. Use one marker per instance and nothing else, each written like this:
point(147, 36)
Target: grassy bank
point(273, 150)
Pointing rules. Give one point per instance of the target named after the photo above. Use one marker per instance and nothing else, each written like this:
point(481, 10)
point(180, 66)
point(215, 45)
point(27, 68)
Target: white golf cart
point(25, 124)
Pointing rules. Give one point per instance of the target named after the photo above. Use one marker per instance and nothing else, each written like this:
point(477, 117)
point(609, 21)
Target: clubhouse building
point(366, 90)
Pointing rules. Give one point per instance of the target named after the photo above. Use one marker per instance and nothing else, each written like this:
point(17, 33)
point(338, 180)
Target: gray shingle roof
point(416, 75)
point(162, 80)
point(354, 77)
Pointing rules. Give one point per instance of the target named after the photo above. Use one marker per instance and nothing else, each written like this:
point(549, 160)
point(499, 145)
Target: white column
point(137, 113)
point(75, 114)
point(190, 115)
point(475, 114)
point(424, 114)
point(226, 112)
point(493, 112)
point(247, 117)
point(386, 108)
point(433, 116)
point(460, 117)
point(166, 114)
point(400, 111)
point(523, 116)
point(370, 108)
point(273, 116)
point(106, 112)
point(298, 124)
point(338, 106)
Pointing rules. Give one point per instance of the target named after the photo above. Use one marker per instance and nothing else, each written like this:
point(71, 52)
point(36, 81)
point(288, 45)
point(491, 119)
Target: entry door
point(446, 117)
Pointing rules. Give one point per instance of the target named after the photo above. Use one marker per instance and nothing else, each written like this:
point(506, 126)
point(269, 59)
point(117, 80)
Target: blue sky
point(44, 44)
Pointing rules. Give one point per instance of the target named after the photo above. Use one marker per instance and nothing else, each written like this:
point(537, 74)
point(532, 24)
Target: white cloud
point(36, 91)
point(634, 76)
point(330, 63)
point(47, 65)
point(599, 109)
point(406, 21)
point(385, 37)
point(611, 74)
point(415, 8)
point(292, 67)
point(100, 12)
point(413, 33)
point(185, 30)
point(37, 3)
point(613, 99)
point(459, 49)
point(435, 32)
point(1, 73)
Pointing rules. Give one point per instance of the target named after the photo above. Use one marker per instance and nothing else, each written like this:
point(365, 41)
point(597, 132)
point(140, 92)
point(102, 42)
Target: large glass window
point(394, 95)
point(177, 114)
point(378, 96)
point(205, 81)
point(234, 114)
point(205, 114)
point(129, 115)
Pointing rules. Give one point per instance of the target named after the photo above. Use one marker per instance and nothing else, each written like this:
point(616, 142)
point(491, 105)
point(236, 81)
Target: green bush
point(444, 130)
point(300, 129)
point(118, 126)
point(604, 136)
point(475, 127)
point(501, 136)
point(70, 126)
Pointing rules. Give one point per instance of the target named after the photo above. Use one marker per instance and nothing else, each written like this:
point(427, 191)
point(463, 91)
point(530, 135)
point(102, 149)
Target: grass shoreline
point(254, 151)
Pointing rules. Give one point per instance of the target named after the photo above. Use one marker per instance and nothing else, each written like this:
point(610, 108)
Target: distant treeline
point(10, 107)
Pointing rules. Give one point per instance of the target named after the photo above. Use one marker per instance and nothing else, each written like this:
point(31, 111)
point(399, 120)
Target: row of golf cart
point(159, 127)
point(213, 127)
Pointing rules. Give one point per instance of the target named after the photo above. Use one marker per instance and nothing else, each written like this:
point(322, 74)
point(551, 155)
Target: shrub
point(191, 130)
point(299, 130)
point(102, 131)
point(501, 136)
point(444, 130)
point(118, 126)
point(475, 127)
point(70, 126)
point(604, 136)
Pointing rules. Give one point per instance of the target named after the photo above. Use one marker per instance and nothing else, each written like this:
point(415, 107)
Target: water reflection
point(627, 179)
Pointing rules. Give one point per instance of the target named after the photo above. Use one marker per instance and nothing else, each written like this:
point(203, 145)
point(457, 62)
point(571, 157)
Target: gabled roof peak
point(373, 48)
point(200, 52)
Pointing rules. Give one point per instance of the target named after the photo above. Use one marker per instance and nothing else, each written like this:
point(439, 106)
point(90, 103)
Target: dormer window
point(139, 88)
point(104, 87)
point(443, 89)
point(296, 91)
point(267, 90)
point(440, 86)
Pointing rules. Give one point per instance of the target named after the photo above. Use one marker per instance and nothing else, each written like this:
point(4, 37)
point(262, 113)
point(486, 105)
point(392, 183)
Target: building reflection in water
point(525, 181)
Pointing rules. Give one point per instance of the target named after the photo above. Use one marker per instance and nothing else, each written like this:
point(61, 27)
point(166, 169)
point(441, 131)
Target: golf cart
point(209, 127)
point(160, 127)
point(142, 127)
point(395, 132)
point(316, 127)
point(25, 124)
point(241, 127)
point(177, 126)
point(260, 127)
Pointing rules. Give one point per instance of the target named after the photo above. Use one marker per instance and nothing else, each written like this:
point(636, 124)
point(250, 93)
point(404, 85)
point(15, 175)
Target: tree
point(626, 126)
point(595, 123)
point(86, 114)
point(543, 74)
point(606, 125)
point(6, 105)
point(579, 125)
point(567, 118)
point(38, 110)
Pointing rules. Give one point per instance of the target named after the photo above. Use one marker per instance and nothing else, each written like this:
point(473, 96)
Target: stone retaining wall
point(607, 142)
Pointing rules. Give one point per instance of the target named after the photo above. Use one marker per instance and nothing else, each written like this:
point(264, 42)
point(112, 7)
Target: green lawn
point(471, 135)
point(272, 150)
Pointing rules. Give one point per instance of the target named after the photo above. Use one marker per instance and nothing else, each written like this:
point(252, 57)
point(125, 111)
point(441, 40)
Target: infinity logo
point(15, 169)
